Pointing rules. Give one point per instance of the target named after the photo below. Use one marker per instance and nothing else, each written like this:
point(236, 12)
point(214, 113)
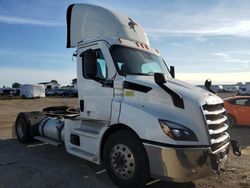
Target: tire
point(22, 128)
point(126, 160)
point(231, 120)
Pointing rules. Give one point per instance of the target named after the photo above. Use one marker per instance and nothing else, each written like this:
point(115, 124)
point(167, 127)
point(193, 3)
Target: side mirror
point(89, 63)
point(208, 84)
point(172, 71)
point(159, 78)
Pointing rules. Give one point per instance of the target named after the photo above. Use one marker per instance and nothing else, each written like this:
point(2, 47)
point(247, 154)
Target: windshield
point(130, 61)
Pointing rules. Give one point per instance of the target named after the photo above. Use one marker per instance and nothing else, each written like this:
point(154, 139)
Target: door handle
point(81, 105)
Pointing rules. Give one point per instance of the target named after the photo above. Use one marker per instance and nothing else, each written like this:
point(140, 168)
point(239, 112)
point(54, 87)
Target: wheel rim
point(20, 129)
point(122, 161)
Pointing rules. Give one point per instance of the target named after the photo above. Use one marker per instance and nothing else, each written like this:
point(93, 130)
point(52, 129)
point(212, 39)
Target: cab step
point(48, 141)
point(83, 154)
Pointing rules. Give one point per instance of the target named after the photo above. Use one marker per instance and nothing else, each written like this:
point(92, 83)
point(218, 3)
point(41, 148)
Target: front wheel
point(126, 160)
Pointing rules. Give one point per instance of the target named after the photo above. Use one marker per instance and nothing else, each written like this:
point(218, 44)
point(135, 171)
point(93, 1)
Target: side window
point(102, 71)
point(241, 102)
point(97, 66)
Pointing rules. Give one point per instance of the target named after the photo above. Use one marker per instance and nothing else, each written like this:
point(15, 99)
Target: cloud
point(20, 52)
point(201, 39)
point(228, 58)
point(176, 44)
point(26, 58)
point(217, 78)
point(202, 19)
point(222, 55)
point(237, 28)
point(28, 21)
point(237, 52)
point(33, 76)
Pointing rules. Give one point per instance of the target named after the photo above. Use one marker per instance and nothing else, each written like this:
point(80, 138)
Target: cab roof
point(86, 21)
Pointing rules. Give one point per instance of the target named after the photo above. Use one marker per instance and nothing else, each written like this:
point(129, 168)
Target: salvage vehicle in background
point(244, 90)
point(238, 110)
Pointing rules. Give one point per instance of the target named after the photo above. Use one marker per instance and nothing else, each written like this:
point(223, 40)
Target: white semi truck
point(134, 116)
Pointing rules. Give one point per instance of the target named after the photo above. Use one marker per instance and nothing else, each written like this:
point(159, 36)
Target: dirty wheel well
point(114, 128)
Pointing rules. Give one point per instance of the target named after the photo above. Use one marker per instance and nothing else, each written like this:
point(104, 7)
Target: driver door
point(95, 91)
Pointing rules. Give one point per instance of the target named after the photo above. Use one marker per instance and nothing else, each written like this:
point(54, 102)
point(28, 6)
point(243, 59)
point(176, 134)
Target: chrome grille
point(216, 119)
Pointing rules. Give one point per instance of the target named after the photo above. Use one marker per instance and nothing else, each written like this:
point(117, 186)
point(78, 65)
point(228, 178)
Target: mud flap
point(236, 147)
point(218, 164)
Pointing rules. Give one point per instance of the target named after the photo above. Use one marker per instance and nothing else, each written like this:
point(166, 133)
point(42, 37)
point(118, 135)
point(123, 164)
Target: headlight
point(177, 131)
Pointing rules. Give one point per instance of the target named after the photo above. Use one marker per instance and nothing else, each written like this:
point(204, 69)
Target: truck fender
point(111, 130)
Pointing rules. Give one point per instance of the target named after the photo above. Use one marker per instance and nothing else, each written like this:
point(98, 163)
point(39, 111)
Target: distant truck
point(32, 91)
point(217, 88)
point(244, 90)
point(53, 92)
point(134, 117)
point(9, 92)
point(230, 88)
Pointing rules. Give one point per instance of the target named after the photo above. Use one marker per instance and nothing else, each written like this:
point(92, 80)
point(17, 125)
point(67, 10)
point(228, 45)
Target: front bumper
point(185, 164)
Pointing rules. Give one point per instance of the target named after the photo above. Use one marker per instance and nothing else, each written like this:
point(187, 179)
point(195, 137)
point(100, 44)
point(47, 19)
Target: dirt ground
point(42, 165)
point(10, 108)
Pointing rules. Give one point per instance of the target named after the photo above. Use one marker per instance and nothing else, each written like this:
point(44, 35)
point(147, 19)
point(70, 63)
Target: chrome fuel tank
point(53, 128)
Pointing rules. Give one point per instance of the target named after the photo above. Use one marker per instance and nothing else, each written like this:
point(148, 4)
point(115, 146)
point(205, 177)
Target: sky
point(202, 39)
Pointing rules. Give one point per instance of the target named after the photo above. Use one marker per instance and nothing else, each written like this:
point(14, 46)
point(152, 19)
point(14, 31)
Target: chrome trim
point(217, 112)
point(221, 148)
point(217, 121)
point(216, 128)
point(220, 130)
point(220, 139)
point(183, 164)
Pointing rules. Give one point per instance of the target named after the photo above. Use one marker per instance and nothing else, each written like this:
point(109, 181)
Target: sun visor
point(90, 21)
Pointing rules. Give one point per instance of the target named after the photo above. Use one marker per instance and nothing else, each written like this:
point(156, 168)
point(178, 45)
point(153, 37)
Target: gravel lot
point(10, 108)
point(42, 165)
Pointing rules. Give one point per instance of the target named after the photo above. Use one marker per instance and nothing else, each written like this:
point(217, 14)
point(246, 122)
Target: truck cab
point(134, 116)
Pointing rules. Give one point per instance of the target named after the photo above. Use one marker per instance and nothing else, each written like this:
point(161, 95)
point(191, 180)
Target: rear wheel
point(126, 160)
point(22, 127)
point(231, 120)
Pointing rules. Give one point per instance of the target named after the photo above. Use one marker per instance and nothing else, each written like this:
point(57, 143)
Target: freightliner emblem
point(132, 24)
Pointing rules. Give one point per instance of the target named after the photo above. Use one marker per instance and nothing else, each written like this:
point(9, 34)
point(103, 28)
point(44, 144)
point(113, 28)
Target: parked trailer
point(32, 91)
point(134, 116)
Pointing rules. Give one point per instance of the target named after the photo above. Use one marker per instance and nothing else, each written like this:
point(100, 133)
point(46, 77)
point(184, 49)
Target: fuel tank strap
point(42, 124)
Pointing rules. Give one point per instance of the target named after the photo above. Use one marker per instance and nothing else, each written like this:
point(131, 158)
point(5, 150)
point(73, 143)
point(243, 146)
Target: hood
point(158, 102)
point(185, 90)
